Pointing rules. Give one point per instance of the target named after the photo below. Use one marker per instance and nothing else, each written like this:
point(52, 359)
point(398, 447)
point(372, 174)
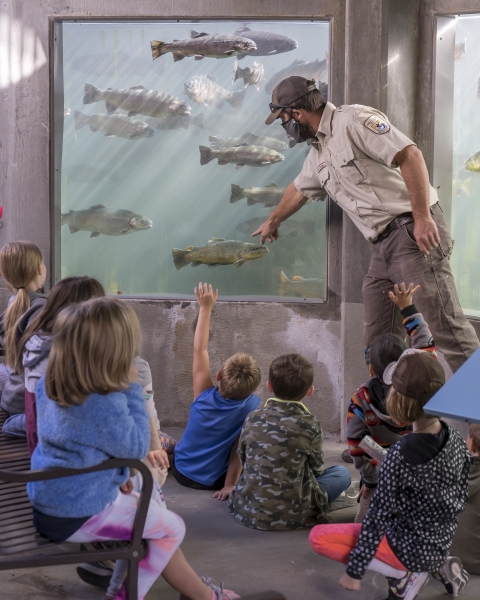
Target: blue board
point(459, 398)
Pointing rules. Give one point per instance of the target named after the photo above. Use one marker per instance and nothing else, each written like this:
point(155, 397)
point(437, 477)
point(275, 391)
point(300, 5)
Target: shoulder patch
point(377, 124)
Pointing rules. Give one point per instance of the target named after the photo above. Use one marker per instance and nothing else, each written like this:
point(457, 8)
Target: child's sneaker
point(408, 587)
point(453, 576)
point(347, 498)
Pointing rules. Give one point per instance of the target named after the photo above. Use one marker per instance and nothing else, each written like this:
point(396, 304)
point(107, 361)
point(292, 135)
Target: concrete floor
point(247, 561)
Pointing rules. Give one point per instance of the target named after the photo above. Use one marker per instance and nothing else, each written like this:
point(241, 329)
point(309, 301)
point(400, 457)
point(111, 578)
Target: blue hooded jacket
point(106, 426)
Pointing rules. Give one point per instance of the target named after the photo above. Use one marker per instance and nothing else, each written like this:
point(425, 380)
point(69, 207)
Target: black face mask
point(296, 133)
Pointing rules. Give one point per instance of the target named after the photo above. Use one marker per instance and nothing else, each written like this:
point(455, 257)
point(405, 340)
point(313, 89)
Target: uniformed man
point(379, 178)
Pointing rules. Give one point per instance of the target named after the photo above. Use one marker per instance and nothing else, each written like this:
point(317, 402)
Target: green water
point(466, 184)
point(161, 177)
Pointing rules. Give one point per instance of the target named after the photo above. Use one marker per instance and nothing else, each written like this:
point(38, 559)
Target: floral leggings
point(164, 531)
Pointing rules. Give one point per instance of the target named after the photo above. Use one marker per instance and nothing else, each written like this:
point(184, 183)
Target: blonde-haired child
point(91, 408)
point(22, 267)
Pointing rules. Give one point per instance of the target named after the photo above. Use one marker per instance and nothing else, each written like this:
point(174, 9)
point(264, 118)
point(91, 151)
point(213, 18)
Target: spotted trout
point(203, 44)
point(241, 155)
point(307, 288)
point(218, 252)
point(137, 100)
point(249, 138)
point(110, 221)
point(204, 90)
point(114, 125)
point(269, 196)
point(250, 75)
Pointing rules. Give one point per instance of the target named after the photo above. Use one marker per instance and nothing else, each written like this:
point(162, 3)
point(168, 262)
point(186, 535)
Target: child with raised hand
point(367, 414)
point(422, 488)
point(91, 408)
point(284, 485)
point(206, 458)
point(22, 267)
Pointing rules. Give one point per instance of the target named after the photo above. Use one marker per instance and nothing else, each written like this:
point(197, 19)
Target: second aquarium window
point(166, 166)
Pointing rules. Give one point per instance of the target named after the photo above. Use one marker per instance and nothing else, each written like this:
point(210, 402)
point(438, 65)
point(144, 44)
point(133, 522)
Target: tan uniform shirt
point(352, 160)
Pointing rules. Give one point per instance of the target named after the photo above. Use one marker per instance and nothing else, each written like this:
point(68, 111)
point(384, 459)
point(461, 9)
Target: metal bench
point(21, 547)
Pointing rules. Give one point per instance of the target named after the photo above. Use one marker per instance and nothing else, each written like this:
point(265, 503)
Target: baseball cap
point(289, 90)
point(414, 374)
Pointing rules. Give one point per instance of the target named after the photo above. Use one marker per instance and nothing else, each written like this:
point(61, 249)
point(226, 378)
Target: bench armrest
point(113, 463)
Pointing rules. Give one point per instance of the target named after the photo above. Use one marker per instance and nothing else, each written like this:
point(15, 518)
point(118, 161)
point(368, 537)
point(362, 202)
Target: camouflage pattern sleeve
point(315, 458)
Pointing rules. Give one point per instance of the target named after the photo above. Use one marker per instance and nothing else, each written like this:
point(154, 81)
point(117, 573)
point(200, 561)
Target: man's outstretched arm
point(292, 201)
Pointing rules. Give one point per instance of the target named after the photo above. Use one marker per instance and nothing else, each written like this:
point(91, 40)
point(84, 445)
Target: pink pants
point(337, 541)
point(164, 531)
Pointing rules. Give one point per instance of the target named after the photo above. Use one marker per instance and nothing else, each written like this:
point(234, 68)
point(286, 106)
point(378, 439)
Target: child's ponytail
point(19, 263)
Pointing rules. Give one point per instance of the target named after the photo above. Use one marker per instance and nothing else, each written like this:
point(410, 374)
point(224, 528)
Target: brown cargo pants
point(397, 258)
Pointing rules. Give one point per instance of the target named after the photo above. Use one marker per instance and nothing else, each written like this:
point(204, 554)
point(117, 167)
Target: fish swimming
point(204, 90)
point(253, 156)
point(114, 125)
point(270, 195)
point(218, 252)
point(170, 122)
point(268, 43)
point(137, 100)
point(473, 163)
point(203, 44)
point(307, 288)
point(288, 227)
point(249, 138)
point(309, 70)
point(250, 75)
point(110, 221)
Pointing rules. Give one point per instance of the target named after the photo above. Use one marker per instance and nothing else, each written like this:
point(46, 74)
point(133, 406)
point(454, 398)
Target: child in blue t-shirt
point(206, 456)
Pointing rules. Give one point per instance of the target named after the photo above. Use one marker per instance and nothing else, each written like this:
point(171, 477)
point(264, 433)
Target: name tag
point(321, 166)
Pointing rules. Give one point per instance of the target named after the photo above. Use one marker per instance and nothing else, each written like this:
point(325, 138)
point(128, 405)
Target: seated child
point(283, 484)
point(466, 543)
point(22, 267)
point(367, 415)
point(422, 488)
point(34, 347)
point(205, 458)
point(91, 408)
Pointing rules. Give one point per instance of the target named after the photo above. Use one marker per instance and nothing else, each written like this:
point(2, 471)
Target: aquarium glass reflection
point(466, 163)
point(146, 178)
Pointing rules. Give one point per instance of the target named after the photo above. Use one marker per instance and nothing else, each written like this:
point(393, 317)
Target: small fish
point(253, 156)
point(249, 138)
point(309, 70)
point(268, 43)
point(203, 44)
point(250, 75)
point(460, 50)
point(473, 163)
point(288, 227)
point(66, 111)
point(114, 125)
point(465, 186)
point(110, 221)
point(169, 122)
point(137, 100)
point(204, 90)
point(307, 288)
point(218, 252)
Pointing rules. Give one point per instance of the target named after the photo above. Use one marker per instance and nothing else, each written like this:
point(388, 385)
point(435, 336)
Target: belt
point(398, 222)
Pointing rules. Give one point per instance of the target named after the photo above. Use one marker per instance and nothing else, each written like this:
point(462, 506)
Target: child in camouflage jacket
point(283, 485)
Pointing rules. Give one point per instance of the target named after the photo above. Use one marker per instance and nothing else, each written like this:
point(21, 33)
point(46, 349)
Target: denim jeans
point(15, 426)
point(334, 481)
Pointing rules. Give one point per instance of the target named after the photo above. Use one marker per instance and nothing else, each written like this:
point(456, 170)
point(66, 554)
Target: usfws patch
point(377, 125)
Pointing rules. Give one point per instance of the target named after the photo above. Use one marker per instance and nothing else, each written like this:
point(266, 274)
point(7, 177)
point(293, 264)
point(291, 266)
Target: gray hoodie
point(35, 359)
point(13, 395)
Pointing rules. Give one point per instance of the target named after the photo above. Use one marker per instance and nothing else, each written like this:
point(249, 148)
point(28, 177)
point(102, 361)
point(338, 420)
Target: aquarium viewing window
point(456, 172)
point(162, 169)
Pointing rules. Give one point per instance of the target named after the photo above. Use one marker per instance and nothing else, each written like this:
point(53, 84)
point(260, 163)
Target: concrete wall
point(365, 36)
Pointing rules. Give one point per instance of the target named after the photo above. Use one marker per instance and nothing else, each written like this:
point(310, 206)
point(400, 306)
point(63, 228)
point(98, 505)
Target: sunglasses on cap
point(275, 107)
